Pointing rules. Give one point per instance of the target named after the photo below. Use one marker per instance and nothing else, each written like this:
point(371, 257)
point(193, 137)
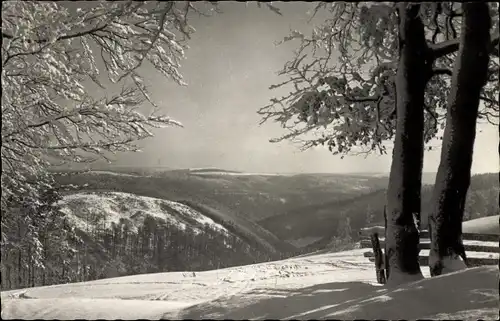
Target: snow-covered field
point(329, 285)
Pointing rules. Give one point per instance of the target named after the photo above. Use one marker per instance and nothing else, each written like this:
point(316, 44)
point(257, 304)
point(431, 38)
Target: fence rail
point(424, 234)
point(424, 260)
point(478, 254)
point(366, 243)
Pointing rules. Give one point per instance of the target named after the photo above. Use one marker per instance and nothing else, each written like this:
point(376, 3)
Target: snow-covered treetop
point(51, 51)
point(341, 78)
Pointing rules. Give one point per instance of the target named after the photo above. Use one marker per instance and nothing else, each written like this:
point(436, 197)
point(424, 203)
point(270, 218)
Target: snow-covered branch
point(50, 54)
point(340, 82)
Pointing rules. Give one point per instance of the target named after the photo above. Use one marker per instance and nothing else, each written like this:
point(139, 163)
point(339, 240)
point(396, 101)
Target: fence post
point(386, 261)
point(379, 259)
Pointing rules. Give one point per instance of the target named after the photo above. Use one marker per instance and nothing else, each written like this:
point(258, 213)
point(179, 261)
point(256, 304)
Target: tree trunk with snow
point(403, 195)
point(453, 177)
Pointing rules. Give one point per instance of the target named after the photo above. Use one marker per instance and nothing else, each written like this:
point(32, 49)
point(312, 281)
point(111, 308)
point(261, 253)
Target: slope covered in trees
point(115, 234)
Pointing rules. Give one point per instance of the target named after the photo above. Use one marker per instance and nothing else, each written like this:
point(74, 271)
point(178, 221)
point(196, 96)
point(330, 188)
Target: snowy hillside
point(487, 225)
point(118, 234)
point(95, 172)
point(105, 208)
point(332, 285)
point(217, 171)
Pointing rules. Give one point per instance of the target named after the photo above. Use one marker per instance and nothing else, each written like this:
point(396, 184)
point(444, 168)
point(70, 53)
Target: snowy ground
point(329, 285)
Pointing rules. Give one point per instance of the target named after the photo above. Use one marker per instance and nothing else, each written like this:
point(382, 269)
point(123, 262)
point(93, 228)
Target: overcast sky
point(231, 62)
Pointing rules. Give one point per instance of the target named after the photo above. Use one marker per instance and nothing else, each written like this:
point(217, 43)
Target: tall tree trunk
point(33, 275)
point(45, 260)
point(453, 177)
point(29, 262)
point(19, 256)
point(403, 194)
point(9, 277)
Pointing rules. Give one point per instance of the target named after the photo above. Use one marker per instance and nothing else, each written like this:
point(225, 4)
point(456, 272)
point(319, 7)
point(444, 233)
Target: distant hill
point(209, 170)
point(428, 178)
point(252, 197)
point(321, 221)
point(278, 212)
point(184, 188)
point(235, 201)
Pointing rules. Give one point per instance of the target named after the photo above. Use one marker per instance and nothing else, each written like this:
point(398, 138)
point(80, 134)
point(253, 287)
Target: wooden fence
point(481, 249)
